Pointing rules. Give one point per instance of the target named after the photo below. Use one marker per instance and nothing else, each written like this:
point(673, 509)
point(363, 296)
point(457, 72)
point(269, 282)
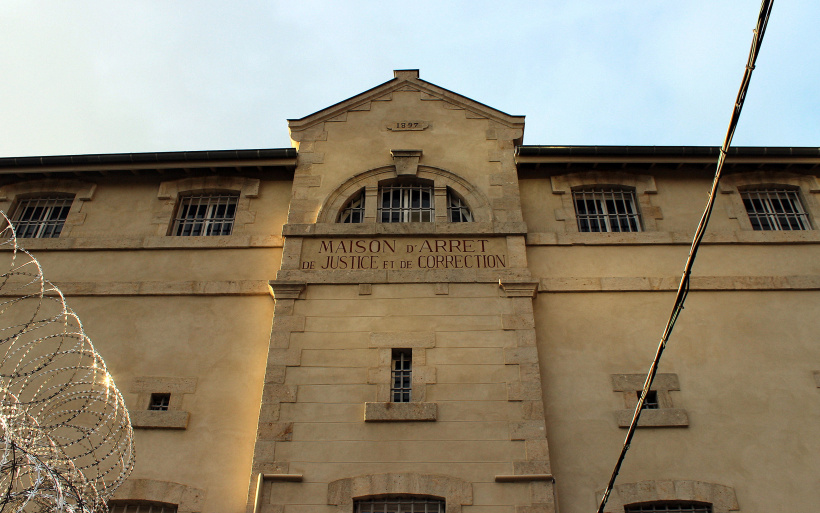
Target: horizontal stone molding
point(523, 478)
point(151, 243)
point(672, 238)
point(355, 229)
point(665, 284)
point(161, 384)
point(401, 339)
point(160, 288)
point(663, 417)
point(722, 498)
point(414, 276)
point(153, 419)
point(400, 412)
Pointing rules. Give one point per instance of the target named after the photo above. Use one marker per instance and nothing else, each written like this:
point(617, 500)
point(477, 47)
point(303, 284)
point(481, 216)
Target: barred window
point(457, 209)
point(41, 217)
point(669, 507)
point(205, 214)
point(406, 203)
point(606, 210)
point(775, 209)
point(140, 507)
point(159, 402)
point(399, 505)
point(651, 402)
point(353, 212)
point(401, 379)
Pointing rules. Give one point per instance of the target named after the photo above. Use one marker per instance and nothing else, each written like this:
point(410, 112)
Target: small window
point(205, 214)
point(399, 505)
point(651, 402)
point(140, 507)
point(159, 402)
point(606, 210)
point(775, 209)
point(669, 507)
point(406, 203)
point(41, 217)
point(353, 212)
point(457, 209)
point(401, 379)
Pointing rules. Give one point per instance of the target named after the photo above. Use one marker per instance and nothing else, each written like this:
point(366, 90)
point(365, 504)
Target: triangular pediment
point(406, 81)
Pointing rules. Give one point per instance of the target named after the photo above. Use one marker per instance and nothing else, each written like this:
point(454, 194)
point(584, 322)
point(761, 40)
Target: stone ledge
point(646, 238)
point(400, 412)
point(426, 229)
point(663, 417)
point(150, 419)
point(160, 288)
point(151, 243)
point(663, 284)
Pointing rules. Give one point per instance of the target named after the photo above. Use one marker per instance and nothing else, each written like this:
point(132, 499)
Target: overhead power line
point(683, 288)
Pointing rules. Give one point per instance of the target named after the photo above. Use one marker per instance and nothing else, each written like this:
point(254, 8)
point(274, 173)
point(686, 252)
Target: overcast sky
point(87, 76)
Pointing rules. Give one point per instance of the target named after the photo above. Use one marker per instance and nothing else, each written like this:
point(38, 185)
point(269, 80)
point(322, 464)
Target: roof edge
point(150, 158)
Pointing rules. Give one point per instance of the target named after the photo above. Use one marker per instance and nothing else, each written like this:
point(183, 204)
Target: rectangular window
point(651, 402)
point(406, 204)
point(775, 209)
point(42, 217)
point(606, 210)
point(401, 379)
point(400, 505)
point(159, 402)
point(205, 214)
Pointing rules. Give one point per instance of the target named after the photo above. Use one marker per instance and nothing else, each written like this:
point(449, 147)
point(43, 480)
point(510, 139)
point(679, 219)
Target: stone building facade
point(412, 311)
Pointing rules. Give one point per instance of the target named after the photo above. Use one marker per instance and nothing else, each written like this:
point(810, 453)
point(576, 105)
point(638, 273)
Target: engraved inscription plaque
point(406, 124)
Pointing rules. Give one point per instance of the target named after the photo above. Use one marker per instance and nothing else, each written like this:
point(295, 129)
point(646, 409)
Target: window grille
point(159, 402)
point(651, 402)
point(400, 505)
point(205, 214)
point(141, 507)
point(606, 210)
point(401, 375)
point(353, 212)
point(42, 217)
point(775, 209)
point(457, 209)
point(406, 203)
point(670, 507)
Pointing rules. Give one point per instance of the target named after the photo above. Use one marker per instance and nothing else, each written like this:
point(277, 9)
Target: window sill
point(671, 238)
point(663, 417)
point(400, 412)
point(148, 419)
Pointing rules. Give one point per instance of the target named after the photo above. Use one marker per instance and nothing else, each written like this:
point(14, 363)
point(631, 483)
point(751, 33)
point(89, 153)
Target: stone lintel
point(634, 382)
point(400, 412)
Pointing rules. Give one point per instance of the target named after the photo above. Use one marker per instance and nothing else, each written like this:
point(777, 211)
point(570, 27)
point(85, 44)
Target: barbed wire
point(66, 441)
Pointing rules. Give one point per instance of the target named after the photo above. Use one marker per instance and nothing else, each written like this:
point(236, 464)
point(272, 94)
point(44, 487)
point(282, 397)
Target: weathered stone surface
point(663, 417)
point(395, 412)
point(169, 419)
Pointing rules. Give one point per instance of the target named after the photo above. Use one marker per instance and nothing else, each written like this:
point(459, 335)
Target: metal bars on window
point(42, 217)
point(406, 203)
point(775, 209)
point(141, 507)
point(400, 505)
point(205, 214)
point(606, 210)
point(400, 375)
point(160, 402)
point(457, 209)
point(651, 402)
point(672, 507)
point(353, 212)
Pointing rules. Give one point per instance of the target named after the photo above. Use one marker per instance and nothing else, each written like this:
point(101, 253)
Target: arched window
point(669, 507)
point(400, 504)
point(606, 209)
point(406, 202)
point(353, 211)
point(141, 507)
point(457, 209)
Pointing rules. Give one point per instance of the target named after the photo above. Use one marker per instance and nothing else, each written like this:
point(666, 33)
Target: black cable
point(683, 288)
